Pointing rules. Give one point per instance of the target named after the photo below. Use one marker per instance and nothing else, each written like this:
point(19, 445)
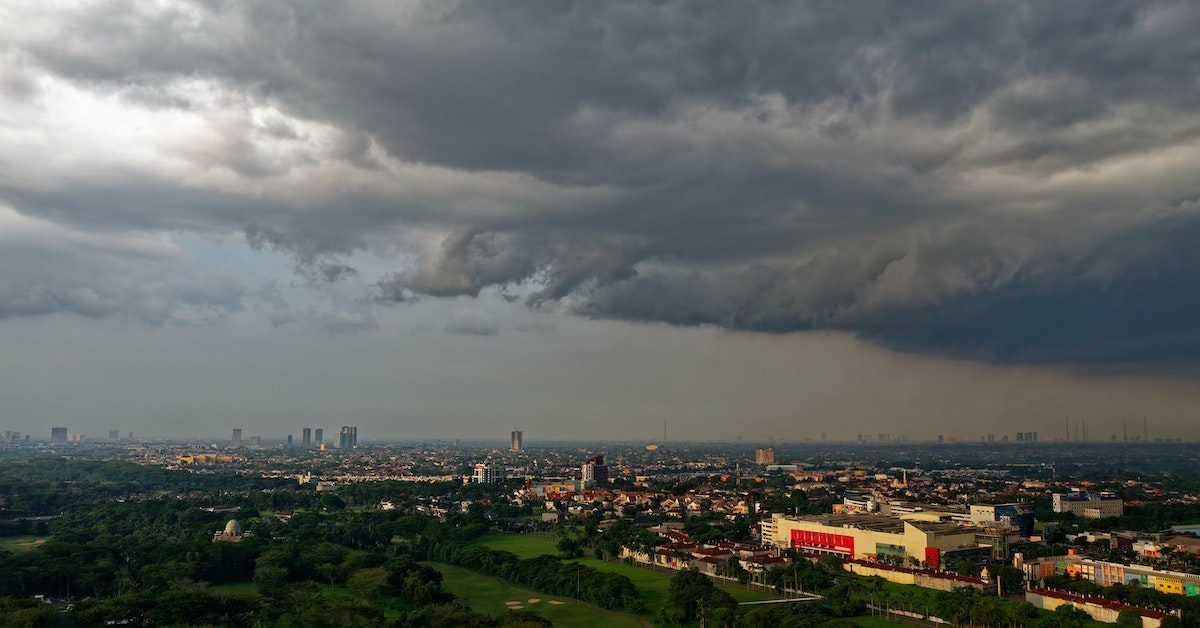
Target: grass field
point(652, 584)
point(489, 595)
point(19, 543)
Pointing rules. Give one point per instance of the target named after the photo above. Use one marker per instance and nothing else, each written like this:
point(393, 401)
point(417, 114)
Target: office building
point(289, 441)
point(319, 437)
point(1088, 506)
point(348, 437)
point(306, 437)
point(236, 438)
point(58, 434)
point(1016, 516)
point(517, 443)
point(764, 456)
point(114, 435)
point(594, 472)
point(487, 473)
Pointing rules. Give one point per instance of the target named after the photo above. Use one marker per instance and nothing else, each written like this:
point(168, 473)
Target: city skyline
point(442, 220)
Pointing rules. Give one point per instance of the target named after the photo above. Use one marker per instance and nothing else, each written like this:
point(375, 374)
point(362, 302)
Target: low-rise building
point(869, 537)
point(1099, 608)
point(1088, 506)
point(1106, 573)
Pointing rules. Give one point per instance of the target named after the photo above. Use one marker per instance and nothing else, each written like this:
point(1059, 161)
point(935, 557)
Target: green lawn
point(523, 545)
point(650, 583)
point(489, 595)
point(19, 543)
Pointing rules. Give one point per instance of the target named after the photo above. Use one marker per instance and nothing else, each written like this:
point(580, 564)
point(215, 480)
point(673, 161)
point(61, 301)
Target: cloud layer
point(1002, 181)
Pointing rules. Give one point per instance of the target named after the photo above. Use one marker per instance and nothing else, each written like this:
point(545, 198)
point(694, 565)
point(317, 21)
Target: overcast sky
point(451, 219)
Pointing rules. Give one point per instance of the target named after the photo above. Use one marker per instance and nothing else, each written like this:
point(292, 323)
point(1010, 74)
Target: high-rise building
point(306, 437)
point(487, 473)
point(594, 472)
point(348, 438)
point(58, 434)
point(289, 441)
point(516, 445)
point(764, 456)
point(319, 436)
point(114, 435)
point(237, 437)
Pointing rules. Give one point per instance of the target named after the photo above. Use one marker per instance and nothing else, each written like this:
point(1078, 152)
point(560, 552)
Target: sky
point(452, 219)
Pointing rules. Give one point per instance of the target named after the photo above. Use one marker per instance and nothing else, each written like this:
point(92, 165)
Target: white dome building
point(232, 533)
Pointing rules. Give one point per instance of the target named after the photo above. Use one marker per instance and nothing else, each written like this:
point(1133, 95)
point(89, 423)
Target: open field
point(651, 583)
point(19, 543)
point(493, 596)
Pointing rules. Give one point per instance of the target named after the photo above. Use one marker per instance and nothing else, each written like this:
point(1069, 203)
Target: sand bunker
point(516, 608)
point(534, 600)
point(556, 602)
point(512, 602)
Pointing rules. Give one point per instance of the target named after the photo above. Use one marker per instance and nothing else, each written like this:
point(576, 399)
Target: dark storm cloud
point(1000, 180)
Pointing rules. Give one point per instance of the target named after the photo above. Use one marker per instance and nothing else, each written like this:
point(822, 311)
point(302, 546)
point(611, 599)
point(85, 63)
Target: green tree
point(1129, 618)
point(368, 584)
point(685, 591)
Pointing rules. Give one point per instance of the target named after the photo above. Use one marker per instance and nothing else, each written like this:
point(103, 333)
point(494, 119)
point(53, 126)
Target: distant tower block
point(237, 437)
point(306, 437)
point(517, 441)
point(319, 436)
point(348, 437)
point(114, 435)
point(764, 456)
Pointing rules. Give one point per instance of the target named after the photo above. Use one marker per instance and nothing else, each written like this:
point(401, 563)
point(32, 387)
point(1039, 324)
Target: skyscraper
point(289, 441)
point(764, 456)
point(516, 441)
point(58, 434)
point(306, 436)
point(348, 438)
point(237, 437)
point(320, 437)
point(114, 435)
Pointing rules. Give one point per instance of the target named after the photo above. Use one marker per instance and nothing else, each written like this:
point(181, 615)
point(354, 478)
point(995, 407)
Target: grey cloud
point(472, 260)
point(347, 321)
point(964, 178)
point(50, 272)
point(472, 322)
point(1035, 296)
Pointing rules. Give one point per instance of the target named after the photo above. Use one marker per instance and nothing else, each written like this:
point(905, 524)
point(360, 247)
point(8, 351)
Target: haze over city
point(454, 219)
